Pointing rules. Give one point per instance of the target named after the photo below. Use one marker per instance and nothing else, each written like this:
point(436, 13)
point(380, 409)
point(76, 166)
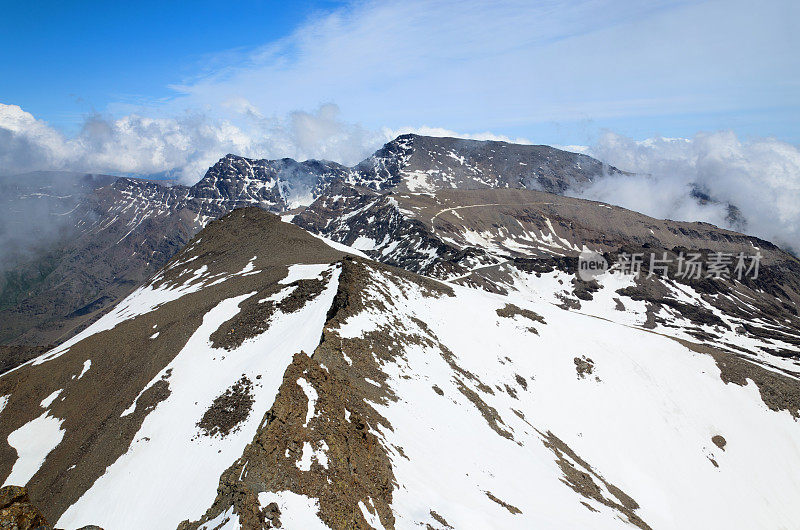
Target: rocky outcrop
point(18, 513)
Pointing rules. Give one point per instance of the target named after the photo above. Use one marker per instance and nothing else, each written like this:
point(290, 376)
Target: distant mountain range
point(114, 233)
point(461, 210)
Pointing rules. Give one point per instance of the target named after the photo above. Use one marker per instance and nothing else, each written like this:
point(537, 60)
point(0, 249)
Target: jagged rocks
point(17, 512)
point(584, 366)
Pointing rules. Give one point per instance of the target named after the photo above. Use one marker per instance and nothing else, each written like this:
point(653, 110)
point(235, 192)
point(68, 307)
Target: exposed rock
point(510, 508)
point(17, 512)
point(584, 366)
point(228, 410)
point(581, 477)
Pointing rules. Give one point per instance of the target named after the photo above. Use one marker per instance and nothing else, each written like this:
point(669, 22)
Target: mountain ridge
point(127, 230)
point(294, 373)
point(120, 234)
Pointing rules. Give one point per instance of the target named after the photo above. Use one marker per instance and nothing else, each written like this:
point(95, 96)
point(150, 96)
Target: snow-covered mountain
point(120, 234)
point(507, 240)
point(266, 377)
point(452, 209)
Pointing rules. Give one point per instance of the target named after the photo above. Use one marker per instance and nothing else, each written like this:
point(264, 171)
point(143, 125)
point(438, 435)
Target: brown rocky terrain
point(263, 379)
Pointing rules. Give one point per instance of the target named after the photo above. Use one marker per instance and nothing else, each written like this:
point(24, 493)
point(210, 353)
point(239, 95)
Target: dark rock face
point(274, 185)
point(473, 164)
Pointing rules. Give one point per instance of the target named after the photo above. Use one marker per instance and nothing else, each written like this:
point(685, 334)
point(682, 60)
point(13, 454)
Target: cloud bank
point(183, 146)
point(760, 176)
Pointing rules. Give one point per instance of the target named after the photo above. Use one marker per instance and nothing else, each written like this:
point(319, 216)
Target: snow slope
point(644, 420)
point(167, 451)
point(359, 395)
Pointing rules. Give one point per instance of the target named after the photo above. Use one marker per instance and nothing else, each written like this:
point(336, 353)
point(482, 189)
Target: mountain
point(117, 235)
point(421, 164)
point(263, 378)
point(473, 220)
point(513, 240)
point(34, 206)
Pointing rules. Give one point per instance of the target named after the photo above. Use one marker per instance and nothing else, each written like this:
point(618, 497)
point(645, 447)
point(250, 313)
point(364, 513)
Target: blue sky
point(147, 87)
point(62, 60)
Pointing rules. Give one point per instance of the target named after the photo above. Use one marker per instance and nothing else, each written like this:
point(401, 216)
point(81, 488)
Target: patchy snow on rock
point(249, 268)
point(86, 365)
point(227, 520)
point(418, 182)
point(304, 463)
point(310, 454)
point(304, 272)
point(339, 246)
point(33, 442)
point(312, 396)
point(364, 243)
point(370, 515)
point(480, 454)
point(160, 469)
point(143, 300)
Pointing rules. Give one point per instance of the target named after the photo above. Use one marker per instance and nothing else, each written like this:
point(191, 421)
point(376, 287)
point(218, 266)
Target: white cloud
point(185, 145)
point(760, 176)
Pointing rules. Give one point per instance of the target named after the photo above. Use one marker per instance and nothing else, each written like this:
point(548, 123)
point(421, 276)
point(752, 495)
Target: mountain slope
point(263, 376)
point(470, 220)
point(105, 382)
point(414, 163)
point(525, 241)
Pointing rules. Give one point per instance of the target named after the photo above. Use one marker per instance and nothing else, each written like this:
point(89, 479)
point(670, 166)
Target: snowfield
point(643, 420)
point(33, 442)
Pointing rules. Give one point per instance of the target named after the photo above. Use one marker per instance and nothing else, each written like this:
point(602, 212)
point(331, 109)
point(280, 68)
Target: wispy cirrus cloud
point(511, 65)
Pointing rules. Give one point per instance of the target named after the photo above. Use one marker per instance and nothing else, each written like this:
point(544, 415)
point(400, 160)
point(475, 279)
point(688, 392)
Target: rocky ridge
point(313, 365)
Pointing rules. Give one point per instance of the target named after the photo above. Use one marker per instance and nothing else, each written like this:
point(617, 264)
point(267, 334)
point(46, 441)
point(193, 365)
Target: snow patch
point(371, 517)
point(86, 365)
point(297, 511)
point(33, 442)
point(311, 394)
point(46, 402)
point(227, 520)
